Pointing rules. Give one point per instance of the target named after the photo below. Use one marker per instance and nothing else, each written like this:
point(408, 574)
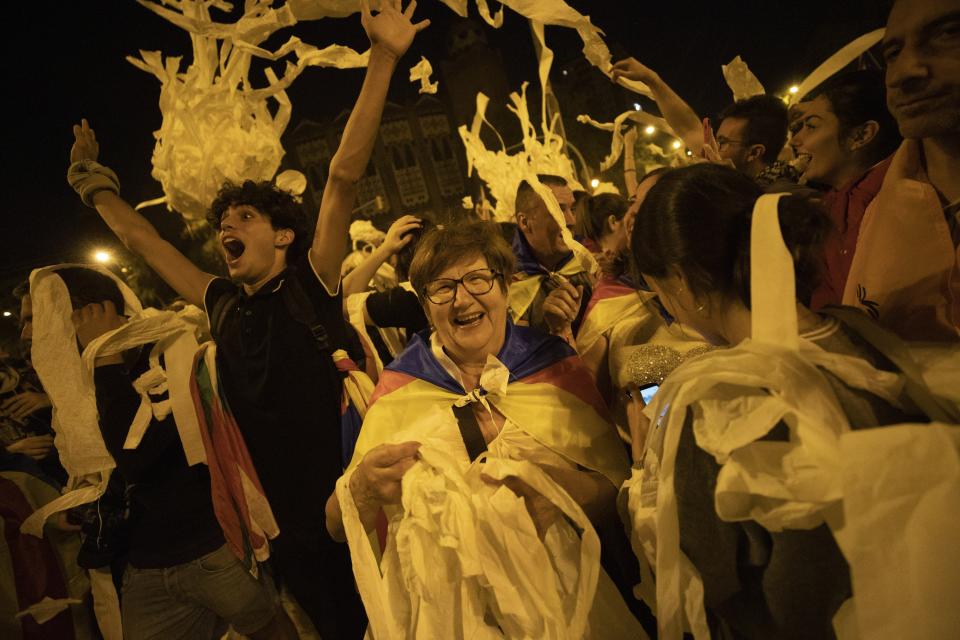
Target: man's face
point(564, 196)
point(251, 246)
point(922, 51)
point(26, 322)
point(731, 142)
point(542, 231)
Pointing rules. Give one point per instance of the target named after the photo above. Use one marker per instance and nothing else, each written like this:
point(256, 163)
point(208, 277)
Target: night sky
point(65, 60)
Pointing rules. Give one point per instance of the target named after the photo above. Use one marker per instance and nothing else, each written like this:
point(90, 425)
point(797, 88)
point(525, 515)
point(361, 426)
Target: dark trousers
point(320, 577)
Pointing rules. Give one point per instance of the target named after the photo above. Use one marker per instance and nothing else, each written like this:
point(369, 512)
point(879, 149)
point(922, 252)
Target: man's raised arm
point(679, 115)
point(98, 187)
point(390, 33)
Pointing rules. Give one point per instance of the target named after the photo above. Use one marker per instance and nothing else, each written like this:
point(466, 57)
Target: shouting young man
point(277, 374)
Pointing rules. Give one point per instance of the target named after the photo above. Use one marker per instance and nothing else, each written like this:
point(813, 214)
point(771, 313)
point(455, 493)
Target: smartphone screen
point(648, 392)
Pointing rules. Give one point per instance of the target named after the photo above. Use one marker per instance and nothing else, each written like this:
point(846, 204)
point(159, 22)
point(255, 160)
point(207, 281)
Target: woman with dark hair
point(599, 221)
point(738, 481)
point(602, 221)
point(844, 135)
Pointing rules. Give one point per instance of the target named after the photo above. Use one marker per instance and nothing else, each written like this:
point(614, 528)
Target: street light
point(7, 314)
point(794, 89)
point(103, 257)
point(594, 183)
point(649, 129)
point(677, 144)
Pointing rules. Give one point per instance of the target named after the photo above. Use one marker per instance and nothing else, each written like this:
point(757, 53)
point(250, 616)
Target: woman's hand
point(377, 479)
point(637, 421)
point(398, 235)
point(390, 31)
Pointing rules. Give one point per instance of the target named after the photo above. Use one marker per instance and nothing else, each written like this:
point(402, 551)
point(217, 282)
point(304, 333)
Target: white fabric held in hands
point(463, 545)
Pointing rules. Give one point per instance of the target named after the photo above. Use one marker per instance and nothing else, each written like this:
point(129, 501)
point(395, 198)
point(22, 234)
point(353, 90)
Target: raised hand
point(85, 145)
point(398, 235)
point(391, 30)
point(711, 148)
point(632, 69)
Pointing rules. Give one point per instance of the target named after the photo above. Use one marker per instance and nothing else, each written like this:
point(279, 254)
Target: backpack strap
point(303, 311)
point(896, 351)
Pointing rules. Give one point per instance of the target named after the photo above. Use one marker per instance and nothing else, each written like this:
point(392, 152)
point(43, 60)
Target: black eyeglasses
point(723, 141)
point(476, 282)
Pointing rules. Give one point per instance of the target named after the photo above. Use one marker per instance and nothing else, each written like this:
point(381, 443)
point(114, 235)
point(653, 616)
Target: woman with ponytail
point(738, 491)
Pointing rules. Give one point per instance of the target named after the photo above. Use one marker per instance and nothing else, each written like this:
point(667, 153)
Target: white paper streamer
point(421, 73)
point(836, 62)
point(364, 231)
point(741, 80)
point(216, 126)
point(616, 127)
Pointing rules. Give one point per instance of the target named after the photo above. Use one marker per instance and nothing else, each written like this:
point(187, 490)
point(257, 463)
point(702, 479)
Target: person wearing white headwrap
point(741, 491)
point(133, 381)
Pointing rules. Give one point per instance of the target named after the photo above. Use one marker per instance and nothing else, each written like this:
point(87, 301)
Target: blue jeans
point(196, 599)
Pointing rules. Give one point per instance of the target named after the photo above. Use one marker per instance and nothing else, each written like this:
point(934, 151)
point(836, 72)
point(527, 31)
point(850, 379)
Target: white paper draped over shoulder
point(67, 377)
point(884, 492)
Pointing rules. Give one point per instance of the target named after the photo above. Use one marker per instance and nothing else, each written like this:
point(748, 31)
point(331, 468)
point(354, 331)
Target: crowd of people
point(700, 409)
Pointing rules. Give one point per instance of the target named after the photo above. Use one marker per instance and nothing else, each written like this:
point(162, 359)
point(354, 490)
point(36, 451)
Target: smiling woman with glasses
point(476, 384)
point(444, 290)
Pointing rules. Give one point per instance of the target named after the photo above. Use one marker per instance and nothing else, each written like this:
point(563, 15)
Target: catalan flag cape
point(357, 391)
point(530, 275)
point(613, 300)
point(543, 388)
point(239, 501)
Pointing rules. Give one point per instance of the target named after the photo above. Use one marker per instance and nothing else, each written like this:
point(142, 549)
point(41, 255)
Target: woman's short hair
point(697, 219)
point(592, 213)
point(444, 246)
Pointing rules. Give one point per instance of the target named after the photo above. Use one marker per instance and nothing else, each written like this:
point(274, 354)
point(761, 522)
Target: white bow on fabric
point(493, 384)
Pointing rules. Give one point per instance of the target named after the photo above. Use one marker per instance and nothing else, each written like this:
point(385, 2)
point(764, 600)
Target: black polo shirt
point(284, 393)
point(397, 307)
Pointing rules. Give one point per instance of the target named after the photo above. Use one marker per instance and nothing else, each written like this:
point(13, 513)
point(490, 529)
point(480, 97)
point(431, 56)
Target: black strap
point(303, 311)
point(895, 349)
point(470, 431)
